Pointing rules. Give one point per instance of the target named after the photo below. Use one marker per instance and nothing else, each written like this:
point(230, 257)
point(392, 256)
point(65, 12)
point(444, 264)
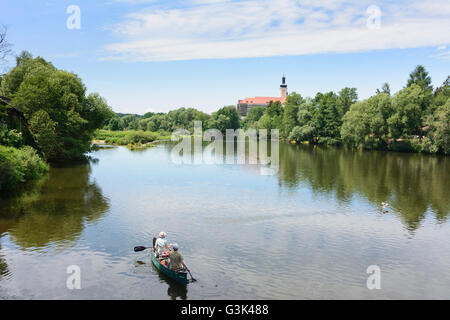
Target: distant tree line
point(414, 119)
point(225, 118)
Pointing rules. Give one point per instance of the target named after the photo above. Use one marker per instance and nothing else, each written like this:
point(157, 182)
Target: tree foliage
point(420, 77)
point(365, 124)
point(55, 103)
point(225, 118)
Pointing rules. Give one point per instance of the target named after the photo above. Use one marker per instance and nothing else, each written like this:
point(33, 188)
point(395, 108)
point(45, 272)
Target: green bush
point(11, 138)
point(19, 165)
point(329, 141)
point(126, 137)
point(141, 137)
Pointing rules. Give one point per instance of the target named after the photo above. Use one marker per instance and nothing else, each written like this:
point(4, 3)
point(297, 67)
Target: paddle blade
point(139, 248)
point(192, 278)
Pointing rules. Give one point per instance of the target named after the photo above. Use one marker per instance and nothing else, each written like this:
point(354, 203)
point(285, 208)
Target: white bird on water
point(384, 205)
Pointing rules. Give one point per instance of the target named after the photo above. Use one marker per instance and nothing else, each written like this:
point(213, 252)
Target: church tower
point(283, 88)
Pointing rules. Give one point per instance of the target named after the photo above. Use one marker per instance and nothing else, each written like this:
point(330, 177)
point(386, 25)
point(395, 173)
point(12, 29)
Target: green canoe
point(180, 276)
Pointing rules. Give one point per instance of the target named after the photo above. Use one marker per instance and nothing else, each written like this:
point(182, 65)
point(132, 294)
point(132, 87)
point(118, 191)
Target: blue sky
point(150, 55)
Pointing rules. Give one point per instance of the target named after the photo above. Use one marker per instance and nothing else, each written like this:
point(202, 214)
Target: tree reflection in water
point(411, 183)
point(53, 210)
point(175, 290)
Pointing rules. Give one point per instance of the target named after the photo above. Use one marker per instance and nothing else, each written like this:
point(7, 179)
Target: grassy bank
point(131, 138)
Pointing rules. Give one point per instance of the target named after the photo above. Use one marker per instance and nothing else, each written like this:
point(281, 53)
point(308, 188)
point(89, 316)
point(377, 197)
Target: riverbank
point(133, 139)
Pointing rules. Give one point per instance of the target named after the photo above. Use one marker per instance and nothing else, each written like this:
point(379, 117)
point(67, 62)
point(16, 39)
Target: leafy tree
point(420, 77)
point(224, 118)
point(439, 129)
point(11, 138)
point(18, 166)
point(291, 107)
point(325, 115)
point(185, 117)
point(253, 115)
point(385, 88)
point(347, 97)
point(44, 93)
point(304, 112)
point(408, 107)
point(24, 55)
point(272, 117)
point(115, 123)
point(274, 109)
point(365, 124)
point(303, 133)
point(43, 129)
point(441, 94)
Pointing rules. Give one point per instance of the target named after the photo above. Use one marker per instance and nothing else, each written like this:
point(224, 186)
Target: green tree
point(439, 130)
point(441, 94)
point(224, 118)
point(272, 117)
point(302, 133)
point(253, 115)
point(365, 124)
point(325, 117)
point(420, 77)
point(274, 109)
point(43, 129)
point(291, 107)
point(347, 97)
point(41, 91)
point(408, 108)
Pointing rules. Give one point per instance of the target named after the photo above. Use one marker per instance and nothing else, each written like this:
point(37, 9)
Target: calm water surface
point(309, 232)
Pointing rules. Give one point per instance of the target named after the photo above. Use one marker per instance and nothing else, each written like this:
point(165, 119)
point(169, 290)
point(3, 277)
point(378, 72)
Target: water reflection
point(175, 290)
point(411, 183)
point(318, 219)
point(4, 271)
point(53, 210)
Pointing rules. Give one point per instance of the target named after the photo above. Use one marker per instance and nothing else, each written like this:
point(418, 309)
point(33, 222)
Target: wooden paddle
point(142, 248)
point(192, 278)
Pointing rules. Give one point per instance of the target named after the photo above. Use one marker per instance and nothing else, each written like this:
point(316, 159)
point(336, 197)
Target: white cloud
point(217, 29)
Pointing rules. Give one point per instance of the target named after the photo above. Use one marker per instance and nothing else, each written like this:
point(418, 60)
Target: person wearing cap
point(176, 260)
point(161, 244)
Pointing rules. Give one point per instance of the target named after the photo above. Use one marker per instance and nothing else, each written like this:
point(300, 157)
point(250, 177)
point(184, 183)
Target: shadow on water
point(411, 183)
point(54, 209)
point(175, 290)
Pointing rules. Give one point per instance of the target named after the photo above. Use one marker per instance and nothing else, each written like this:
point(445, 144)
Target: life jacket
point(165, 254)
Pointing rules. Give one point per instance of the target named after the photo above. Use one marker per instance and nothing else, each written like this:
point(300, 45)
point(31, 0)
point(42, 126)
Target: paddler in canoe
point(160, 245)
point(176, 261)
point(171, 261)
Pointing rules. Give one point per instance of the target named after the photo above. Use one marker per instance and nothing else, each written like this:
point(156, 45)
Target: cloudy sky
point(150, 55)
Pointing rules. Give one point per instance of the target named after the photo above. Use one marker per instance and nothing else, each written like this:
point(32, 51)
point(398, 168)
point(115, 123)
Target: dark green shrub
point(19, 165)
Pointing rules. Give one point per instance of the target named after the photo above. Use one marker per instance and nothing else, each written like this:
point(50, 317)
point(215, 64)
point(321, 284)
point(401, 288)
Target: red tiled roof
point(261, 100)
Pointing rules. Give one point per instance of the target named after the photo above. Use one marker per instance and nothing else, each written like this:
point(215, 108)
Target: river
point(310, 231)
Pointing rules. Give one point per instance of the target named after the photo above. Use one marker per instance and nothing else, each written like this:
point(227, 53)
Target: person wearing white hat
point(161, 244)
